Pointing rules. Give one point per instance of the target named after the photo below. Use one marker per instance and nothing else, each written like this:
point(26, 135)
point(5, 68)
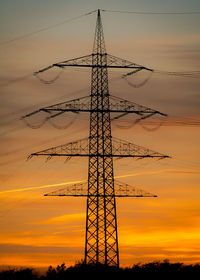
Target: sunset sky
point(39, 231)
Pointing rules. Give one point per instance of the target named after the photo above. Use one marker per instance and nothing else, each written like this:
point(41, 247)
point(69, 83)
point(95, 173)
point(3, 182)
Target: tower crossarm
point(88, 61)
point(125, 106)
point(81, 190)
point(121, 148)
point(116, 62)
point(80, 148)
point(77, 105)
point(126, 190)
point(83, 104)
point(75, 148)
point(83, 61)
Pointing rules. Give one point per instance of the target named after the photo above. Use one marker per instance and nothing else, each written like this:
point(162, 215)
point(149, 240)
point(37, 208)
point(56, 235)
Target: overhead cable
point(152, 13)
point(45, 29)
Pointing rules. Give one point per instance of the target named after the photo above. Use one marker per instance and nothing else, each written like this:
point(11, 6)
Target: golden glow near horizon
point(149, 229)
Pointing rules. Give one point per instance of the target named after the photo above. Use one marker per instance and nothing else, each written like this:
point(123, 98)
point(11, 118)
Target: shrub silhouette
point(22, 274)
point(157, 270)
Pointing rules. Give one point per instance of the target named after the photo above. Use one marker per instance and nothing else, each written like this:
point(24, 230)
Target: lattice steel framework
point(101, 223)
point(101, 244)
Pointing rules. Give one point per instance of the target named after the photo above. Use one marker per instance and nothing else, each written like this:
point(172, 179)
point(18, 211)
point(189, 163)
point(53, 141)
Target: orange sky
point(41, 231)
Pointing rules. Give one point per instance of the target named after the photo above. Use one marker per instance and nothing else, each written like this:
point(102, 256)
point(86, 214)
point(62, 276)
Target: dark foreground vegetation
point(154, 270)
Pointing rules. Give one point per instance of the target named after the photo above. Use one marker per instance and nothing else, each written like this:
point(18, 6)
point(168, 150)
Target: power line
point(152, 13)
point(183, 74)
point(89, 13)
point(45, 28)
point(189, 74)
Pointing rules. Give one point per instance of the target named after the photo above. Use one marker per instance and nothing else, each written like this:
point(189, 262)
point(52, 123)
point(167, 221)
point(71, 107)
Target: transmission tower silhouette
point(101, 190)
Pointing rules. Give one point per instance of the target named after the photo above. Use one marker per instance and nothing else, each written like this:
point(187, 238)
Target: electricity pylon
point(101, 242)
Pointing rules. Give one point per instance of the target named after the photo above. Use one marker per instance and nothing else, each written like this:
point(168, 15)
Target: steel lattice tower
point(101, 242)
point(101, 224)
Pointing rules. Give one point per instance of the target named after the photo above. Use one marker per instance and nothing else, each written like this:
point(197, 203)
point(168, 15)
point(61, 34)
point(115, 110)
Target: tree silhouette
point(155, 270)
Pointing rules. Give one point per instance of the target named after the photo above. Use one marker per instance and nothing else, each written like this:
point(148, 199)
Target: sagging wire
point(48, 82)
point(133, 123)
point(34, 126)
point(151, 129)
point(172, 121)
point(24, 118)
point(63, 126)
point(49, 118)
point(138, 85)
point(191, 74)
point(129, 126)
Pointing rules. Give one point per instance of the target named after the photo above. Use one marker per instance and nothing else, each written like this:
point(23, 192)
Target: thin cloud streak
point(40, 187)
point(83, 181)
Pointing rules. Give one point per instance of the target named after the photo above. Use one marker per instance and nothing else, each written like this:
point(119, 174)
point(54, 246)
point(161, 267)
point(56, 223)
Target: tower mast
point(101, 244)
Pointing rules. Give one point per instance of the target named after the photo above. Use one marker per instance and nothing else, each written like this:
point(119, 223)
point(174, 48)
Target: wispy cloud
point(39, 187)
point(62, 219)
point(83, 181)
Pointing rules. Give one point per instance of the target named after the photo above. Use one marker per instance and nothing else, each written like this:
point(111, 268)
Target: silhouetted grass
point(155, 270)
